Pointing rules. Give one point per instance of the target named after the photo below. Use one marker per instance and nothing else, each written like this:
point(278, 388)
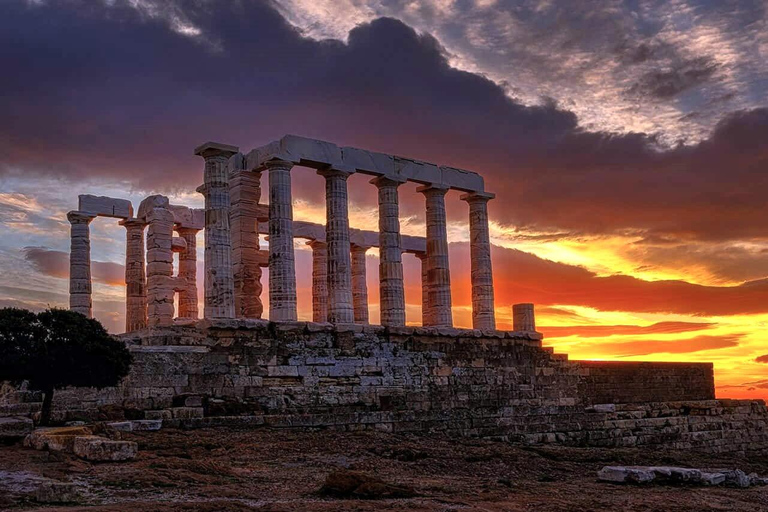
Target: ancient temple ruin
point(234, 218)
point(338, 371)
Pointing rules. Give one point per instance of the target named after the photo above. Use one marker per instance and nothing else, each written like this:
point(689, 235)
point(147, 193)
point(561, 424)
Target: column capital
point(359, 248)
point(317, 244)
point(75, 217)
point(277, 163)
point(216, 149)
point(421, 255)
point(388, 181)
point(186, 229)
point(433, 189)
point(331, 172)
point(132, 223)
point(477, 197)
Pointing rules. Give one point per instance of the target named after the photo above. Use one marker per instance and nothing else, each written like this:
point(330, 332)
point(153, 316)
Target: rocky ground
point(276, 470)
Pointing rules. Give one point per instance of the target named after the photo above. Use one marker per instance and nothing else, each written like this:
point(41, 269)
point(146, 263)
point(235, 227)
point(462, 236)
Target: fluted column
point(188, 271)
point(135, 276)
point(80, 263)
point(391, 288)
point(219, 281)
point(359, 284)
point(422, 256)
point(340, 309)
point(319, 281)
point(282, 267)
point(438, 269)
point(523, 317)
point(245, 189)
point(160, 282)
point(483, 312)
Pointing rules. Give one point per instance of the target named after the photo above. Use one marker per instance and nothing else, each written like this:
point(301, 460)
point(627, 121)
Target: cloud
point(762, 359)
point(598, 331)
point(56, 264)
point(87, 95)
point(666, 84)
point(643, 347)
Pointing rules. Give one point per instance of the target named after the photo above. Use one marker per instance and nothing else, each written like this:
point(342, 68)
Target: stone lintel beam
point(438, 268)
point(483, 312)
point(104, 206)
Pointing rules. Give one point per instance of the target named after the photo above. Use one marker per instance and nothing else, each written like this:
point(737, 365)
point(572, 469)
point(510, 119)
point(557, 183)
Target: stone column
point(282, 266)
point(391, 288)
point(188, 271)
point(160, 281)
point(483, 312)
point(245, 189)
point(319, 281)
point(523, 318)
point(135, 276)
point(359, 284)
point(80, 263)
point(438, 270)
point(340, 309)
point(425, 319)
point(219, 282)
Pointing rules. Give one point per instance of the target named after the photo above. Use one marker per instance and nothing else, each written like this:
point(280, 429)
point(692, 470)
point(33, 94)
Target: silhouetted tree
point(58, 348)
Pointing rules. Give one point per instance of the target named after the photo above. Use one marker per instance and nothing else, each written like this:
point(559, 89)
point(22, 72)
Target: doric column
point(523, 317)
point(188, 271)
point(483, 312)
point(422, 256)
point(438, 269)
point(160, 281)
point(359, 284)
point(391, 288)
point(319, 281)
point(282, 267)
point(245, 191)
point(219, 283)
point(340, 309)
point(80, 263)
point(135, 276)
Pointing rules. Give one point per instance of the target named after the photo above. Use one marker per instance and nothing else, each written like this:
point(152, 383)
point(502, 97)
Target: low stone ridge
point(15, 428)
point(99, 449)
point(677, 475)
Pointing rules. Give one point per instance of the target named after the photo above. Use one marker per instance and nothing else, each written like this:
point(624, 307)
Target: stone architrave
point(245, 192)
point(282, 265)
point(438, 269)
point(359, 284)
point(160, 281)
point(391, 288)
point(523, 317)
point(188, 307)
point(422, 256)
point(319, 281)
point(80, 287)
point(219, 281)
point(340, 307)
point(135, 276)
point(483, 312)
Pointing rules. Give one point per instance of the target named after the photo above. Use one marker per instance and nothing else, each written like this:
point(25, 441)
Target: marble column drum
point(340, 308)
point(245, 193)
point(438, 269)
point(359, 284)
point(135, 276)
point(422, 256)
point(319, 281)
point(483, 312)
point(282, 266)
point(160, 281)
point(80, 287)
point(391, 287)
point(218, 279)
point(188, 307)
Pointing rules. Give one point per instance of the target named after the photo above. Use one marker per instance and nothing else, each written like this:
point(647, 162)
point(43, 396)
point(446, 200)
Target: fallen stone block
point(712, 478)
point(622, 474)
point(57, 439)
point(99, 449)
point(15, 428)
point(146, 425)
point(57, 492)
point(122, 426)
point(737, 478)
point(183, 413)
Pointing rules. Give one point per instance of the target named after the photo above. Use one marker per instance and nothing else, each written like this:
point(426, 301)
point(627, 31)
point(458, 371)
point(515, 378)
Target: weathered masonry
point(338, 371)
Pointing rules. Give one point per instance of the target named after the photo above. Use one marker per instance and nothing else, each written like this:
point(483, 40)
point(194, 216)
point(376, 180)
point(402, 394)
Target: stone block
point(122, 426)
point(150, 203)
point(55, 439)
point(57, 492)
point(99, 449)
point(460, 179)
point(105, 206)
point(187, 412)
point(147, 425)
point(15, 427)
point(162, 414)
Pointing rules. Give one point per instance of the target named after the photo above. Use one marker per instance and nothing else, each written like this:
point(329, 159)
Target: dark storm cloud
point(762, 359)
point(114, 93)
point(668, 83)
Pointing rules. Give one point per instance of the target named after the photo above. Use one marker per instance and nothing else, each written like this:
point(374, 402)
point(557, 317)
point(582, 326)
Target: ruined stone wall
point(606, 382)
point(463, 383)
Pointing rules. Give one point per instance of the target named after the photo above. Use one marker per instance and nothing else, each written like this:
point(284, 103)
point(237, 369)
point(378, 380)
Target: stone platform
point(496, 384)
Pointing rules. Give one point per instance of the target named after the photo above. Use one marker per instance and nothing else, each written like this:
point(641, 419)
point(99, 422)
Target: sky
point(626, 141)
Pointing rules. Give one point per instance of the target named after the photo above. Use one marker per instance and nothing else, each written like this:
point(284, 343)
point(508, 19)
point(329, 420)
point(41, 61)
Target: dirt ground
point(279, 470)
